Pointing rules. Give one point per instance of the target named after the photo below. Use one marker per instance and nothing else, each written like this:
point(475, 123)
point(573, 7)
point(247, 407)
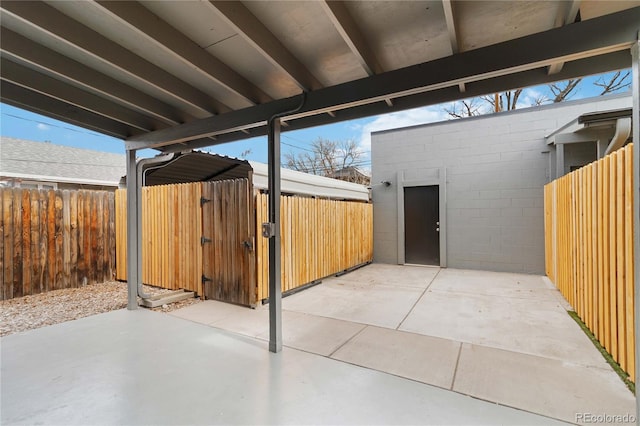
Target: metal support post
point(273, 232)
point(139, 260)
point(133, 235)
point(601, 147)
point(635, 95)
point(559, 160)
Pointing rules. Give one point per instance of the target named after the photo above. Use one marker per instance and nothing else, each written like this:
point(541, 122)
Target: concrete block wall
point(579, 154)
point(496, 167)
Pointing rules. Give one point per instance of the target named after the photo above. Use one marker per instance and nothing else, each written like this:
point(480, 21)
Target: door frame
point(438, 179)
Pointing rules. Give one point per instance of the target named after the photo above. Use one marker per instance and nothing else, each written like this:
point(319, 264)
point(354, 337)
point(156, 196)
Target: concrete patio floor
point(500, 337)
point(147, 368)
point(382, 345)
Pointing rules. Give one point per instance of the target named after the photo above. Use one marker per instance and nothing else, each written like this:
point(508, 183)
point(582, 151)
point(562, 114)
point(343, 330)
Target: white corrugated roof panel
point(306, 184)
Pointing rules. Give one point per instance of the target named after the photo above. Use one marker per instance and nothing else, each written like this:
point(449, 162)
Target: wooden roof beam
point(592, 38)
point(22, 76)
point(352, 36)
point(566, 15)
point(450, 20)
point(15, 46)
point(42, 17)
point(29, 100)
point(262, 39)
point(184, 49)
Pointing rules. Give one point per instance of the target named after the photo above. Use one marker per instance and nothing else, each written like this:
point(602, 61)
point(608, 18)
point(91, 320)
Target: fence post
point(554, 231)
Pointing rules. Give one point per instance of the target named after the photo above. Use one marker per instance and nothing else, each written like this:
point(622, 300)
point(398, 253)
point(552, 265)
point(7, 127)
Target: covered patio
point(384, 344)
point(174, 76)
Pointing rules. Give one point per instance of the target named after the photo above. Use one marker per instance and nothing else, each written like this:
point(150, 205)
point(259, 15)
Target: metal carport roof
point(197, 166)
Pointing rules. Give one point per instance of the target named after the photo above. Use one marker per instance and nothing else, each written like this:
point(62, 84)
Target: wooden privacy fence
point(54, 240)
point(319, 238)
point(589, 249)
point(171, 232)
point(202, 237)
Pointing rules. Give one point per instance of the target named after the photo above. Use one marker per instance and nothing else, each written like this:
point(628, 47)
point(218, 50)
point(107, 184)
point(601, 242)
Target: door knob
point(438, 229)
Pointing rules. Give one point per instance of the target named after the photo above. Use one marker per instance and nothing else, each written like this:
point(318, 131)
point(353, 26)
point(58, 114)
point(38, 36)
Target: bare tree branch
point(562, 90)
point(540, 100)
point(617, 82)
point(466, 108)
point(513, 99)
point(327, 157)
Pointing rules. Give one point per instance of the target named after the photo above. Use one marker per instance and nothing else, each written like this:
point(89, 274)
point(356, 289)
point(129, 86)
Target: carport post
point(635, 117)
point(273, 233)
point(132, 231)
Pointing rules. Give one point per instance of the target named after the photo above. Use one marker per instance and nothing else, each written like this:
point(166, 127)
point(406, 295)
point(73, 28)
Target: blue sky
point(21, 124)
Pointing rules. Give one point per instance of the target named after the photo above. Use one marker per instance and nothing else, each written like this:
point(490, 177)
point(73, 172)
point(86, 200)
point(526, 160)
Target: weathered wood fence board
point(589, 249)
point(171, 231)
point(47, 242)
point(121, 234)
point(229, 258)
point(319, 238)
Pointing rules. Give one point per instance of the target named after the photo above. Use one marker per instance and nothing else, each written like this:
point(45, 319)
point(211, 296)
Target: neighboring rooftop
point(598, 103)
point(295, 182)
point(45, 161)
point(352, 174)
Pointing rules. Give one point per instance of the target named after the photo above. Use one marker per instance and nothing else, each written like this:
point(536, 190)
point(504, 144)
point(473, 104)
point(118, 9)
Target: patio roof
point(164, 73)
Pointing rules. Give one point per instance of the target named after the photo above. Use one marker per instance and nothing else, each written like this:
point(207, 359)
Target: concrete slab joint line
point(419, 298)
point(455, 370)
point(347, 341)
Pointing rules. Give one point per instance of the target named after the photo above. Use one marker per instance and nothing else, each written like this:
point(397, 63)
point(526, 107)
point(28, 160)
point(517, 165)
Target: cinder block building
point(468, 193)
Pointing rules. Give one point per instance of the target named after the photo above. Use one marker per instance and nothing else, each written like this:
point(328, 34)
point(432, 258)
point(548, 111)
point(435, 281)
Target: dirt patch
point(53, 307)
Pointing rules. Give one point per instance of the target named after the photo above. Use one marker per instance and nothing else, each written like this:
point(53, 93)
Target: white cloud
point(43, 127)
point(530, 97)
point(399, 119)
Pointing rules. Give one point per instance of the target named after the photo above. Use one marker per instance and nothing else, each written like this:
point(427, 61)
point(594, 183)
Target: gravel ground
point(29, 312)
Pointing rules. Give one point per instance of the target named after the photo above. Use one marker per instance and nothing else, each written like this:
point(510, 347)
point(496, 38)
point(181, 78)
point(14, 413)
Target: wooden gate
point(197, 236)
point(228, 228)
point(202, 236)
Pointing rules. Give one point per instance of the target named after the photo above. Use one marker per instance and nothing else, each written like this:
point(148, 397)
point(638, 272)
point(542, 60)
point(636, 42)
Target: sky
point(21, 124)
